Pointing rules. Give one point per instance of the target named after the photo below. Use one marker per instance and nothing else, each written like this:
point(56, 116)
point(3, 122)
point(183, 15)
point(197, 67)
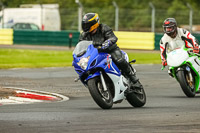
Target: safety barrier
point(6, 36)
point(158, 36)
point(126, 40)
point(135, 40)
point(197, 36)
point(59, 38)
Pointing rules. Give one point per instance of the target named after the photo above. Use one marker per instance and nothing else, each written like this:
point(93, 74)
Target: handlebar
point(190, 52)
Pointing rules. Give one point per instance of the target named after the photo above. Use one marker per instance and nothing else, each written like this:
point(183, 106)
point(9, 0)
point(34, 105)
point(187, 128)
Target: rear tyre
point(186, 84)
point(137, 98)
point(103, 98)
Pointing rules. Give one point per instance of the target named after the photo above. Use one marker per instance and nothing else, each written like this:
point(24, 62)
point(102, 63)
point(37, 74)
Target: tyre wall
point(6, 36)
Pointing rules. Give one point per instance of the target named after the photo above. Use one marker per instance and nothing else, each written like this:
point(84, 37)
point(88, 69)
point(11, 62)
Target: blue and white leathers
point(90, 63)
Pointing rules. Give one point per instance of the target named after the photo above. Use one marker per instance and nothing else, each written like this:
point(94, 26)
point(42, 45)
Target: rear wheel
point(101, 97)
point(187, 83)
point(138, 97)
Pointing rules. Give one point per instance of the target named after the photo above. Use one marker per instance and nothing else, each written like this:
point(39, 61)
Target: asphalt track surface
point(167, 109)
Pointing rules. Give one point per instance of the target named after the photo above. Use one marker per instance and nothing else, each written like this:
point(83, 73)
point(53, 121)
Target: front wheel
point(186, 82)
point(103, 98)
point(138, 97)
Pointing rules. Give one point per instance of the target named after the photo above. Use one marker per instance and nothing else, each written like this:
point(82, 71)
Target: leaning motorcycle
point(104, 80)
point(184, 66)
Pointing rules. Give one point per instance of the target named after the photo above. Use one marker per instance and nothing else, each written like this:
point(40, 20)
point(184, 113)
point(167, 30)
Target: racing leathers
point(104, 36)
point(182, 35)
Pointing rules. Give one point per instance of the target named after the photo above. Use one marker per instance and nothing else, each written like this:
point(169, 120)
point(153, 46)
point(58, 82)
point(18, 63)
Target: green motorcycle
point(184, 66)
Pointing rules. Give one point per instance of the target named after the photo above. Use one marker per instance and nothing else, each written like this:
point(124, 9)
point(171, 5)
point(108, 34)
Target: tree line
point(134, 15)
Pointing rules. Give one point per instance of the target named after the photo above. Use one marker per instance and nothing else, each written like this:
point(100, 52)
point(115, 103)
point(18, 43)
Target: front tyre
point(101, 97)
point(186, 83)
point(138, 97)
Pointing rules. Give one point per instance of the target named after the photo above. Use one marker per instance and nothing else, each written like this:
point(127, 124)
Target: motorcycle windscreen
point(81, 48)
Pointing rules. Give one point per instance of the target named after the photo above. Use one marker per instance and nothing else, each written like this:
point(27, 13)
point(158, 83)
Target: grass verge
point(23, 58)
point(145, 58)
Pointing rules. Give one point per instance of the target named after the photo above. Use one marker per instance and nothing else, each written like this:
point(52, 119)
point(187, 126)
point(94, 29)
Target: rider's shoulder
point(182, 31)
point(104, 27)
point(165, 38)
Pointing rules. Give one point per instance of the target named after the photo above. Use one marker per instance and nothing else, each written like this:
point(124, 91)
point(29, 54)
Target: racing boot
point(135, 83)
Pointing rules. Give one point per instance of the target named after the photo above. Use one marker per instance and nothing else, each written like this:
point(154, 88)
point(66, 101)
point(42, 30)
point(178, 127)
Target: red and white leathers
point(183, 36)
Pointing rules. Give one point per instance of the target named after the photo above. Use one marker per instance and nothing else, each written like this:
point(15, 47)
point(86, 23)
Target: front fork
point(189, 78)
point(103, 81)
point(189, 73)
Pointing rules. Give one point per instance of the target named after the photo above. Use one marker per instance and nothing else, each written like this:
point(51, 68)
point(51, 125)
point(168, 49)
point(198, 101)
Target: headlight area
point(83, 62)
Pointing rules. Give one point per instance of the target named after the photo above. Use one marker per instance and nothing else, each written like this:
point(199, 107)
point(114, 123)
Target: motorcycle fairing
point(98, 61)
point(120, 84)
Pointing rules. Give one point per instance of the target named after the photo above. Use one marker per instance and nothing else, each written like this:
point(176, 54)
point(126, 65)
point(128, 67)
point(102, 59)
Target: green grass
point(23, 58)
point(20, 58)
point(145, 58)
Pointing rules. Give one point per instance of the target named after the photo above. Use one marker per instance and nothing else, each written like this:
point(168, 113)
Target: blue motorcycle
point(104, 80)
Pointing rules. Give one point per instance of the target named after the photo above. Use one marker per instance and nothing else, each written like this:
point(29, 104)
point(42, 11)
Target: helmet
point(90, 22)
point(170, 26)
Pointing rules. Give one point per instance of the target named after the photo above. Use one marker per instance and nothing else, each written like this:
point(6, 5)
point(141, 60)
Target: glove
point(106, 44)
point(164, 63)
point(196, 49)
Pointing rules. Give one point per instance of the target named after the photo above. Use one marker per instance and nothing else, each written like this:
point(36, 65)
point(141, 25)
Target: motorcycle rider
point(174, 33)
point(102, 35)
